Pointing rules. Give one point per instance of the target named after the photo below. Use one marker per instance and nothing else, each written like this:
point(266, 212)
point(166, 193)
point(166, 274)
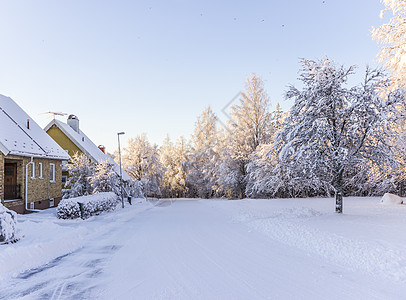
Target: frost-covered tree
point(251, 119)
point(392, 37)
point(133, 188)
point(80, 171)
point(141, 161)
point(249, 126)
point(268, 177)
point(105, 179)
point(174, 158)
point(205, 155)
point(331, 129)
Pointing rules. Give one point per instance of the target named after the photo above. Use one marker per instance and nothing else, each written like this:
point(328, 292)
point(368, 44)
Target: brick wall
point(40, 190)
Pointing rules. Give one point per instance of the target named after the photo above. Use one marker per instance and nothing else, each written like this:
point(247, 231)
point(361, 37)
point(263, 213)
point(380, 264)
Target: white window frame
point(40, 171)
point(33, 170)
point(51, 172)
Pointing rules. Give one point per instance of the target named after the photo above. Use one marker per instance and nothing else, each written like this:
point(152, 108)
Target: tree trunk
point(339, 193)
point(339, 202)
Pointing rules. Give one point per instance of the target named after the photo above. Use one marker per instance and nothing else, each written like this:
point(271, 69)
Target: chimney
point(73, 122)
point(102, 149)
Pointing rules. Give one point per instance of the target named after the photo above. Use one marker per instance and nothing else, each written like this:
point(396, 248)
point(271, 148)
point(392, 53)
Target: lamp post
point(121, 173)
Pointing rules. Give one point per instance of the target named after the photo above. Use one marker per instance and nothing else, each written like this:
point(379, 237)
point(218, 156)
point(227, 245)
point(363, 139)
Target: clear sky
point(153, 66)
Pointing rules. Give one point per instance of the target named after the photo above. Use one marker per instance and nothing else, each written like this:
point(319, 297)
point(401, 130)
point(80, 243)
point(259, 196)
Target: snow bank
point(8, 220)
point(86, 206)
point(391, 199)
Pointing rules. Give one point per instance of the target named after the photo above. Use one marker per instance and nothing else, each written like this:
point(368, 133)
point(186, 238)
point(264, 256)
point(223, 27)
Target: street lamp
point(121, 173)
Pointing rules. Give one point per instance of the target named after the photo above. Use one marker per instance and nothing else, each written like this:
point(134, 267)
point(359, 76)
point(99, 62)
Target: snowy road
point(188, 249)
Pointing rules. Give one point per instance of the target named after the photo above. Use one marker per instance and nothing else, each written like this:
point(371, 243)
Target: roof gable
point(21, 135)
point(86, 145)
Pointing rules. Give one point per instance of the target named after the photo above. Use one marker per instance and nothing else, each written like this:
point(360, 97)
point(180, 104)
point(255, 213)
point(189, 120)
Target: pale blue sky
point(153, 66)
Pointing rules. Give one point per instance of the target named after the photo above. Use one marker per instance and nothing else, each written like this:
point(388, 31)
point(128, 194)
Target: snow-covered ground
point(212, 249)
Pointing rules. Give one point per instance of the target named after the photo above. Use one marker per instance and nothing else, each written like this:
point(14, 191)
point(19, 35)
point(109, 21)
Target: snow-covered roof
point(20, 135)
point(86, 146)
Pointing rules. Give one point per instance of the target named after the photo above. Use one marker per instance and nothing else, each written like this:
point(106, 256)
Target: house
point(73, 140)
point(30, 161)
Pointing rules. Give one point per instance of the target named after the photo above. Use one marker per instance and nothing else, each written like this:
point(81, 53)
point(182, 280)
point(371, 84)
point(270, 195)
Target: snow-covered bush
point(87, 206)
point(68, 208)
point(8, 222)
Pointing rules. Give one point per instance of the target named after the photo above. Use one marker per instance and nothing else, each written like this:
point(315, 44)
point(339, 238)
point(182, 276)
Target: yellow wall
point(62, 140)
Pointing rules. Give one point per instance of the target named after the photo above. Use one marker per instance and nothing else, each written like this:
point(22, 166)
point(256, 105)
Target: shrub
point(87, 206)
point(68, 208)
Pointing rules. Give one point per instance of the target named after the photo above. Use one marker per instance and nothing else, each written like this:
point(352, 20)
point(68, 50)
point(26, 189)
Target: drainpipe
point(26, 187)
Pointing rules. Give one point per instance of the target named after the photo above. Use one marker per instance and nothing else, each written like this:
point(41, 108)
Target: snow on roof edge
point(70, 133)
point(18, 140)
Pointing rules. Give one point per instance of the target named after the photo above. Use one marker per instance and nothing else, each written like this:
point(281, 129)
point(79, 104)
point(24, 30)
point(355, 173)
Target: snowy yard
point(212, 249)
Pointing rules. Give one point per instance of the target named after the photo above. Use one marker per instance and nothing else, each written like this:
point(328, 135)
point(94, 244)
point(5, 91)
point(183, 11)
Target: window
point(64, 179)
point(32, 170)
point(51, 202)
point(40, 170)
point(52, 172)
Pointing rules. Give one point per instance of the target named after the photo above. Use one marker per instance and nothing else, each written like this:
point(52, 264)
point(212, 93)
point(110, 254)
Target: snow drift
point(391, 199)
point(86, 206)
